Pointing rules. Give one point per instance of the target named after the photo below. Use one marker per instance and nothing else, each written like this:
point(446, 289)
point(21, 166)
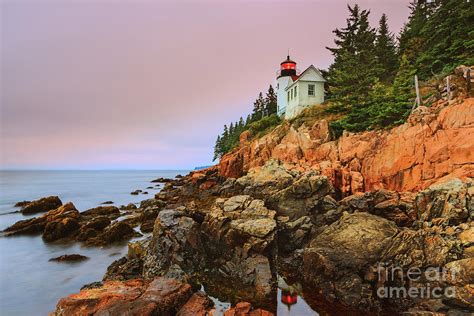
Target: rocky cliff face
point(353, 223)
point(433, 146)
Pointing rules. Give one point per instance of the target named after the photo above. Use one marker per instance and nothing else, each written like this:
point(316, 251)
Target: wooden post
point(448, 88)
point(418, 98)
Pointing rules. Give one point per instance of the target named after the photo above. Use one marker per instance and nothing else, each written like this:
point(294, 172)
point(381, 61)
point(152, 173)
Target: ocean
point(32, 285)
point(29, 283)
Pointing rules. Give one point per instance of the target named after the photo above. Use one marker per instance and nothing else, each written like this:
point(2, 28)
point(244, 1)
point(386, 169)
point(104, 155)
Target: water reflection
point(286, 300)
point(289, 300)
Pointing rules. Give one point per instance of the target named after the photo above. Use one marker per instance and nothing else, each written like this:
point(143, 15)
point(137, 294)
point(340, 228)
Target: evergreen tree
point(225, 134)
point(397, 107)
point(410, 39)
point(241, 123)
point(248, 119)
point(231, 129)
point(218, 148)
point(355, 67)
point(258, 107)
point(448, 37)
point(385, 52)
point(270, 101)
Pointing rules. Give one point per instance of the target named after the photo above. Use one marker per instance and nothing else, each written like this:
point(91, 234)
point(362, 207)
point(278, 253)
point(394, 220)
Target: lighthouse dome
point(287, 68)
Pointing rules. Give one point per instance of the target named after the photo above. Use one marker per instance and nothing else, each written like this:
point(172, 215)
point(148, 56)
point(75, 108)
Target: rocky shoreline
point(346, 250)
point(237, 236)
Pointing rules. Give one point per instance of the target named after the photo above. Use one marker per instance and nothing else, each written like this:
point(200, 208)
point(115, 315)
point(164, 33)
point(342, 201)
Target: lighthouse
point(287, 70)
point(296, 91)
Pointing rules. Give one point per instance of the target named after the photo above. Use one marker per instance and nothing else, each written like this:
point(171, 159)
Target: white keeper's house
point(297, 91)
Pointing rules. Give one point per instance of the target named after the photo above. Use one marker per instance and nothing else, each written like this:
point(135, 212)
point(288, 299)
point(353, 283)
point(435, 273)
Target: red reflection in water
point(288, 298)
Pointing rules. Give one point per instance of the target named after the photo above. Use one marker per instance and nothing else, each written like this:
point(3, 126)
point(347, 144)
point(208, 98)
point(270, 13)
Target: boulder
point(246, 309)
point(460, 272)
point(161, 180)
point(101, 300)
point(161, 296)
point(450, 200)
point(60, 228)
point(42, 205)
point(394, 206)
point(263, 181)
point(467, 236)
point(175, 240)
point(198, 305)
point(22, 203)
point(55, 224)
point(118, 231)
point(97, 223)
point(128, 207)
point(420, 248)
point(303, 197)
point(242, 222)
point(293, 235)
point(336, 258)
point(110, 211)
point(124, 269)
point(152, 203)
point(69, 258)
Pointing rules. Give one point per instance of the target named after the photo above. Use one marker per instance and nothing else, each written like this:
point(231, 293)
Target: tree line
point(262, 117)
point(371, 78)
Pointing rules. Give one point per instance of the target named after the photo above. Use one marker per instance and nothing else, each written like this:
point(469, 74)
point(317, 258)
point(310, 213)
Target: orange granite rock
point(162, 296)
point(435, 145)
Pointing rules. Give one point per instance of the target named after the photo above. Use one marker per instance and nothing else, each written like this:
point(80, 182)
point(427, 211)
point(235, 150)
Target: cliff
point(434, 145)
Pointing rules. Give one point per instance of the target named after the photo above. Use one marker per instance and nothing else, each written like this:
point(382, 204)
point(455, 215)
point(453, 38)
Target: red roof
point(294, 78)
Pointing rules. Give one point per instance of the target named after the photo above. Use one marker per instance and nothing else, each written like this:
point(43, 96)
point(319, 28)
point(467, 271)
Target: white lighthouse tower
point(284, 76)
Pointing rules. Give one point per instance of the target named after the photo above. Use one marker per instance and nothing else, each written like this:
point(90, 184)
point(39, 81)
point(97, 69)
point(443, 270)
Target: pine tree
point(398, 106)
point(258, 107)
point(231, 129)
point(343, 59)
point(225, 135)
point(248, 120)
point(448, 37)
point(218, 148)
point(385, 52)
point(270, 101)
point(241, 123)
point(355, 67)
point(410, 39)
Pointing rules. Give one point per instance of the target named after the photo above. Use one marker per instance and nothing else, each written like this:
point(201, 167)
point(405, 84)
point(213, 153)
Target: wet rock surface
point(160, 296)
point(69, 258)
point(97, 226)
point(38, 206)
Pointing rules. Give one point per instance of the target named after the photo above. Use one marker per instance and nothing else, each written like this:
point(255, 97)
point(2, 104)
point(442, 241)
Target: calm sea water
point(29, 283)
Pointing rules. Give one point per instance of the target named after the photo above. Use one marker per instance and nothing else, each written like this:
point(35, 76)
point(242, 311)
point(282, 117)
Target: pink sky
point(148, 84)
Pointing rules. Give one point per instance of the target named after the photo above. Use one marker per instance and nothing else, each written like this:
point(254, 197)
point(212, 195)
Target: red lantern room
point(288, 68)
point(288, 298)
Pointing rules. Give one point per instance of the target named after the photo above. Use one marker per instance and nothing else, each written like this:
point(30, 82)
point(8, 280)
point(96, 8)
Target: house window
point(288, 98)
point(291, 91)
point(311, 89)
point(296, 93)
